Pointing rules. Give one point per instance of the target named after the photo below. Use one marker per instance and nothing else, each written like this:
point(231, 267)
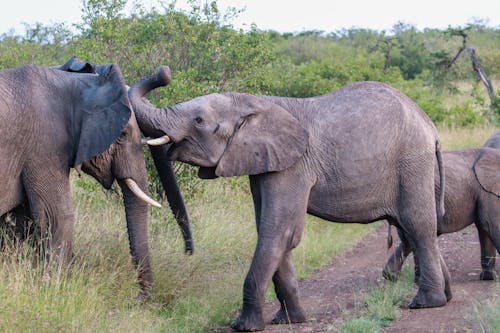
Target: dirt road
point(341, 286)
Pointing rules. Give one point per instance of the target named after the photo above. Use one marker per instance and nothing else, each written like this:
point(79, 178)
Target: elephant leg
point(285, 282)
point(447, 278)
point(392, 268)
point(419, 223)
point(287, 291)
point(434, 289)
point(488, 255)
point(49, 197)
point(24, 223)
point(264, 264)
point(416, 265)
point(279, 224)
point(417, 269)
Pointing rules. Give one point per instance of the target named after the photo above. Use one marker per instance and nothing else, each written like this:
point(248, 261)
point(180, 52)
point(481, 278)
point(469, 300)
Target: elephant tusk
point(156, 142)
point(132, 185)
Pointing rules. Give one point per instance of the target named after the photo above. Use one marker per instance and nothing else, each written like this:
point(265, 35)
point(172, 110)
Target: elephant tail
point(440, 210)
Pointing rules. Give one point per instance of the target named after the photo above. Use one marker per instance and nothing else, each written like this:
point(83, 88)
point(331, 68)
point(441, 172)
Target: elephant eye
point(198, 120)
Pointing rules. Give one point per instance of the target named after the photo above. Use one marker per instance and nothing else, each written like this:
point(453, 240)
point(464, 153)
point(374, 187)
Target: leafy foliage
point(206, 54)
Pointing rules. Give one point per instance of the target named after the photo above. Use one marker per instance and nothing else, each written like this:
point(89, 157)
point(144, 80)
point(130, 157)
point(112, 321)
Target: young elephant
point(472, 195)
point(359, 154)
point(52, 120)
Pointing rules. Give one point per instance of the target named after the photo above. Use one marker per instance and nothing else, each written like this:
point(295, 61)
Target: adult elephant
point(363, 153)
point(51, 121)
point(472, 195)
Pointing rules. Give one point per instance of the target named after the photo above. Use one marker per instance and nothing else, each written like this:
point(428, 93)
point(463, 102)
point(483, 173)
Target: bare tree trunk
point(448, 63)
point(480, 73)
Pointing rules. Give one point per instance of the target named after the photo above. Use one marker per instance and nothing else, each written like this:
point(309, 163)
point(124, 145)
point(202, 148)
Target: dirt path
point(340, 286)
point(462, 255)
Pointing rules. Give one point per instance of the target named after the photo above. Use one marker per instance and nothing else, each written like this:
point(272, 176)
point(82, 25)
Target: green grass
point(487, 313)
point(381, 304)
point(191, 293)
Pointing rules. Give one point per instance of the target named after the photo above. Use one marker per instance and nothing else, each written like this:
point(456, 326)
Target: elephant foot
point(429, 300)
point(390, 275)
point(488, 275)
point(245, 323)
point(289, 316)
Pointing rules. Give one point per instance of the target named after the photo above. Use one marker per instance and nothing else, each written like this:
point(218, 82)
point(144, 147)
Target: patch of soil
point(461, 252)
point(341, 286)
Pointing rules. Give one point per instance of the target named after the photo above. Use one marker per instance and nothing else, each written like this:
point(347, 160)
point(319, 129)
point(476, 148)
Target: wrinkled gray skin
point(472, 195)
point(52, 120)
point(360, 154)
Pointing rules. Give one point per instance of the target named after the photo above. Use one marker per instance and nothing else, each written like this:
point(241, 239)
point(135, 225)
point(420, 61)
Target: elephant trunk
point(148, 116)
point(136, 212)
point(174, 196)
point(150, 120)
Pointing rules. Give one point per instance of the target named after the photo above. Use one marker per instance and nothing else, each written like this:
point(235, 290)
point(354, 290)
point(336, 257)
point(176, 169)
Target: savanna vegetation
point(207, 54)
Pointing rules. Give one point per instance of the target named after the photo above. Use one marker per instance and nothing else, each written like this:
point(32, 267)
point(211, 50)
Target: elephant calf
point(362, 153)
point(472, 195)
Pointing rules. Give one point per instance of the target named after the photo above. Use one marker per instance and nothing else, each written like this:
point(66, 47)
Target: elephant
point(472, 195)
point(158, 152)
point(52, 121)
point(493, 141)
point(362, 153)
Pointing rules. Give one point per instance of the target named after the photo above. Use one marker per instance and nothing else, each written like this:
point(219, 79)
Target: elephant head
point(229, 134)
point(158, 152)
point(61, 120)
point(123, 161)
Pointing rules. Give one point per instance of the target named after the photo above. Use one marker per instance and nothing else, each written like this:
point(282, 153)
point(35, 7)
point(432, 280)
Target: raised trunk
point(149, 117)
point(136, 212)
point(150, 120)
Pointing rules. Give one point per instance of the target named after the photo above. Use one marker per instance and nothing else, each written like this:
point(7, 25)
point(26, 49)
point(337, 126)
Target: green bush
point(206, 54)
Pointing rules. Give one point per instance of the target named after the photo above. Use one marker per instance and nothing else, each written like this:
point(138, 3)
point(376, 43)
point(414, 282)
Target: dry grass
point(191, 293)
point(454, 138)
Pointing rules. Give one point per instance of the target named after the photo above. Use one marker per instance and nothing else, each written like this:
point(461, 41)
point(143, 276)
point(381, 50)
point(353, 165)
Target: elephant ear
point(487, 170)
point(76, 65)
point(102, 112)
point(267, 138)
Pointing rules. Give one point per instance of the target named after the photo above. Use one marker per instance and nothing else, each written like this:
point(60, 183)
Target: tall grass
point(454, 138)
point(191, 293)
